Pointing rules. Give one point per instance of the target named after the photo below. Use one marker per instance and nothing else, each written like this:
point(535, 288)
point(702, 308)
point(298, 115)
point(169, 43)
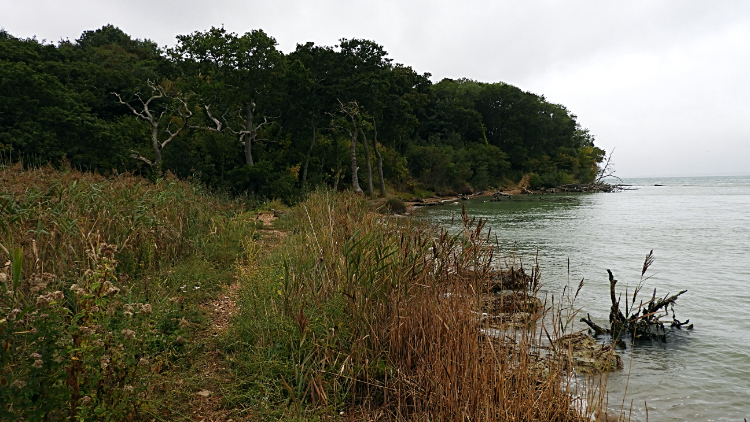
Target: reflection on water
point(699, 229)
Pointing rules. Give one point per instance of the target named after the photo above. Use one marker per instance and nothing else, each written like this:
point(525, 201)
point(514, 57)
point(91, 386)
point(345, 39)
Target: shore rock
point(586, 355)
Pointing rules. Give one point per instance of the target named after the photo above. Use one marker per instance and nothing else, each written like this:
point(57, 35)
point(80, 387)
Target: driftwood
point(642, 321)
point(590, 187)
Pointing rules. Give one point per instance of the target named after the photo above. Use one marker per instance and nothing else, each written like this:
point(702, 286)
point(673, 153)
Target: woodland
point(236, 114)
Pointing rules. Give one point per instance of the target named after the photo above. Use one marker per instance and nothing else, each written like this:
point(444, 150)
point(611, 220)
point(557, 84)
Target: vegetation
point(237, 114)
point(375, 318)
point(104, 313)
point(98, 302)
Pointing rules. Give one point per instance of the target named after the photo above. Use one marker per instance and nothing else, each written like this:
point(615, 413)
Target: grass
point(359, 315)
point(352, 315)
point(161, 248)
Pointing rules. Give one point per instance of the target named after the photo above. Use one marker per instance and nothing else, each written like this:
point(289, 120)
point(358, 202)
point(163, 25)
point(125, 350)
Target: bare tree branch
point(147, 114)
point(608, 170)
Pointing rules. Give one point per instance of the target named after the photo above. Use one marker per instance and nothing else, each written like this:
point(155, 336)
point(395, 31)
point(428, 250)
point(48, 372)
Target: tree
point(350, 111)
point(232, 74)
point(161, 110)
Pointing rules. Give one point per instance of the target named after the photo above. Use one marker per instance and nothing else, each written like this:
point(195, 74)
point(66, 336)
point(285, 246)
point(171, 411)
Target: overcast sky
point(663, 82)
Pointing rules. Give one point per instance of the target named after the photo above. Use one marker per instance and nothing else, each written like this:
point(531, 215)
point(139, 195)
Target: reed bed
point(376, 318)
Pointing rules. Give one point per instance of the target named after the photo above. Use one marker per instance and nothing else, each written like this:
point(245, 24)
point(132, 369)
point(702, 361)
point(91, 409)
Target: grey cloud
point(662, 77)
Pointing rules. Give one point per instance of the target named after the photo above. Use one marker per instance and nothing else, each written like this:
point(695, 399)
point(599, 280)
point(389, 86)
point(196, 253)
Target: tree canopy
point(240, 115)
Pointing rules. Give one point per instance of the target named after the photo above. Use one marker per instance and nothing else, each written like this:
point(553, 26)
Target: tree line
point(239, 115)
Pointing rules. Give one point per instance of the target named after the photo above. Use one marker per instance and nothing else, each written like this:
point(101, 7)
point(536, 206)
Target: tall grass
point(100, 288)
point(380, 318)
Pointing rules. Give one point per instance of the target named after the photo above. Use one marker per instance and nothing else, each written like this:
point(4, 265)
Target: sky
point(665, 84)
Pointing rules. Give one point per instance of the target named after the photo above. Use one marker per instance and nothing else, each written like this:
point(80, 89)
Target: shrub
point(394, 205)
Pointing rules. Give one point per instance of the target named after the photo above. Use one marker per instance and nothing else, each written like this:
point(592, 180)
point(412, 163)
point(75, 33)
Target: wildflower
point(143, 362)
point(128, 333)
point(108, 250)
point(35, 356)
point(37, 285)
point(184, 323)
point(104, 361)
point(144, 308)
point(129, 388)
point(78, 289)
point(57, 357)
point(86, 400)
point(128, 314)
point(13, 314)
point(43, 301)
point(112, 291)
point(19, 383)
point(87, 331)
point(38, 363)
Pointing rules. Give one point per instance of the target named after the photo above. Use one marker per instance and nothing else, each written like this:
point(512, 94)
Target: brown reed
point(381, 318)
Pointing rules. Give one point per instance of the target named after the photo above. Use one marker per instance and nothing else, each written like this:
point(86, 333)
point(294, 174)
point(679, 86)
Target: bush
point(394, 205)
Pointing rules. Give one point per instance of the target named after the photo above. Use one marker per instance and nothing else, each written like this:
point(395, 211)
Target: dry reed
point(382, 320)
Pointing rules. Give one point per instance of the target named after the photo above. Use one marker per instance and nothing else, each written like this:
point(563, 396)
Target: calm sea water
point(699, 230)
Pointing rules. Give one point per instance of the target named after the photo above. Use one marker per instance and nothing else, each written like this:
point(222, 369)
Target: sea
point(699, 231)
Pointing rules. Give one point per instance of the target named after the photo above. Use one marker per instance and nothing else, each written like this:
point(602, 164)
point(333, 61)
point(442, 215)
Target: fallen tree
point(642, 321)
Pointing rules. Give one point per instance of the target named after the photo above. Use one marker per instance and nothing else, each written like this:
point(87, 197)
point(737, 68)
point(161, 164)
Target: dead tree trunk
point(247, 136)
point(380, 157)
point(370, 190)
point(177, 108)
point(351, 110)
point(643, 321)
point(355, 168)
point(241, 123)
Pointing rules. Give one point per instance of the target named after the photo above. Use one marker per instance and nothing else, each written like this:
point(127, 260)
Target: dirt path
point(207, 405)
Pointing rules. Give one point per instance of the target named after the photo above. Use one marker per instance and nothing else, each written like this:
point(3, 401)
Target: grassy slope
point(348, 314)
point(177, 247)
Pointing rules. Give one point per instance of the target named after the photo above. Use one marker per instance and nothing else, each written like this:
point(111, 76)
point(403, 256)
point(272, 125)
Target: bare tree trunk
point(248, 135)
point(307, 158)
point(179, 110)
point(380, 158)
point(155, 143)
point(338, 166)
point(355, 168)
point(370, 190)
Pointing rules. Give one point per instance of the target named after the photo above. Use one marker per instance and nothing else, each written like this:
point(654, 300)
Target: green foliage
point(394, 205)
point(253, 106)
